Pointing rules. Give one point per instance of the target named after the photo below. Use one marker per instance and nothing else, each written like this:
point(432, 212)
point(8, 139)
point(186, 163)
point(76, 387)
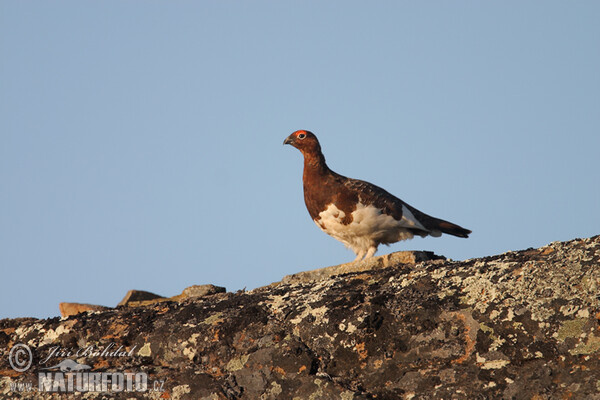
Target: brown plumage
point(358, 213)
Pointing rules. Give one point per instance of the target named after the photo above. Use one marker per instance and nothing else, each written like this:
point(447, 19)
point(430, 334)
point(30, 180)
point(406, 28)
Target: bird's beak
point(288, 140)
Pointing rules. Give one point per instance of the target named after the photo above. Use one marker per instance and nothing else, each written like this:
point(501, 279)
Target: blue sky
point(141, 142)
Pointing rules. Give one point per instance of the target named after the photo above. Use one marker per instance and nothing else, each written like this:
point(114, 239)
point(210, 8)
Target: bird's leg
point(359, 255)
point(371, 251)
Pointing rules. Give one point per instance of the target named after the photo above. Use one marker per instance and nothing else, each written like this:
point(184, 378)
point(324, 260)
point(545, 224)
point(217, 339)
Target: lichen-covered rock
point(369, 264)
point(521, 325)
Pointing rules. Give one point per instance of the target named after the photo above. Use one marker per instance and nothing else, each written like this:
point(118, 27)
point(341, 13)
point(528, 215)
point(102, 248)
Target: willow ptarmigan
point(358, 213)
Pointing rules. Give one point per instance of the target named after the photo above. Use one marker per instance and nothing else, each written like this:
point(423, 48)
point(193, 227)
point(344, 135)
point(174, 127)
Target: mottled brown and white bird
point(358, 213)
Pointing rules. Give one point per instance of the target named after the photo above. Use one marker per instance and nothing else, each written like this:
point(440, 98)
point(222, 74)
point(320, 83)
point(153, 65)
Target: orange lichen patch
point(469, 343)
point(360, 349)
point(213, 369)
point(547, 251)
point(165, 395)
point(279, 370)
point(11, 373)
point(243, 338)
point(162, 310)
point(213, 359)
point(377, 363)
point(8, 331)
point(302, 369)
point(257, 366)
point(363, 277)
point(101, 364)
point(116, 331)
point(217, 335)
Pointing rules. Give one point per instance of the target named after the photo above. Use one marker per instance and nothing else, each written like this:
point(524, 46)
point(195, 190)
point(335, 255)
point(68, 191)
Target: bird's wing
point(369, 194)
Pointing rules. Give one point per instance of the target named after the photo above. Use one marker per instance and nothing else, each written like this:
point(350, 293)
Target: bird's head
point(304, 141)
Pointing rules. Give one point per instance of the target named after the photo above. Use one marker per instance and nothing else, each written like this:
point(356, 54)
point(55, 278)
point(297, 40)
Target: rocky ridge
point(520, 325)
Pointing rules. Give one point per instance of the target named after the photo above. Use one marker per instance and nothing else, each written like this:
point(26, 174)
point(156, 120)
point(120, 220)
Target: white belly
point(369, 227)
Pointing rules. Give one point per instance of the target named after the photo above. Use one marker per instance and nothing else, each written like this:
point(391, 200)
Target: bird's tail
point(452, 229)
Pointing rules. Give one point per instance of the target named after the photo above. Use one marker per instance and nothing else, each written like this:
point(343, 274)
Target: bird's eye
point(301, 135)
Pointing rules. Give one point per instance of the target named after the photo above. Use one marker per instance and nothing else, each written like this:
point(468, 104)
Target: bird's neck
point(314, 166)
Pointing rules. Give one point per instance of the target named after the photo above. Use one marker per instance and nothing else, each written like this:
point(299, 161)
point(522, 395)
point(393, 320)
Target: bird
point(357, 213)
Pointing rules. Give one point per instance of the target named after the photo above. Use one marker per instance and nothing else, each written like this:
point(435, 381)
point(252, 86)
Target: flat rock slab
point(373, 263)
point(140, 298)
point(201, 290)
point(191, 292)
point(68, 309)
point(136, 296)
